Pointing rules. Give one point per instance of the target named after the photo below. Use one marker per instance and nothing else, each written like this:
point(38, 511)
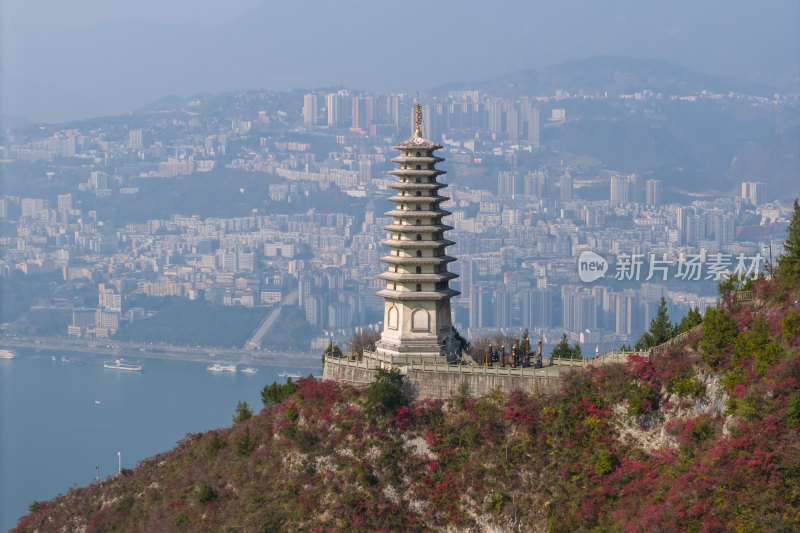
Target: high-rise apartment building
point(533, 127)
point(136, 139)
point(566, 187)
point(653, 193)
point(310, 110)
point(363, 113)
point(625, 189)
point(755, 192)
point(339, 106)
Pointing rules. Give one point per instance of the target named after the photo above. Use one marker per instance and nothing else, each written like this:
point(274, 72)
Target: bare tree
point(363, 340)
point(479, 346)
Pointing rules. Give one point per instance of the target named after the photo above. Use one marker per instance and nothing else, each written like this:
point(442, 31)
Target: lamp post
point(770, 259)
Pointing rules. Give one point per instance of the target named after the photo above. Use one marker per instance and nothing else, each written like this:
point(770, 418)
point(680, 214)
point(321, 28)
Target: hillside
point(612, 74)
point(702, 437)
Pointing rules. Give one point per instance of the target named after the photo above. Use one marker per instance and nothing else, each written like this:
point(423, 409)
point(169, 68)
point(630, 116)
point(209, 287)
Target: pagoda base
point(422, 350)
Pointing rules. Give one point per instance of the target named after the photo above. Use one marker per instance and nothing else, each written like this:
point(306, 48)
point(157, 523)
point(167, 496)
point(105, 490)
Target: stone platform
point(439, 380)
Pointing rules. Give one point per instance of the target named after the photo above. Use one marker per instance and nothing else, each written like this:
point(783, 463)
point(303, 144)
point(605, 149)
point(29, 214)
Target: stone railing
point(371, 358)
point(677, 338)
point(743, 296)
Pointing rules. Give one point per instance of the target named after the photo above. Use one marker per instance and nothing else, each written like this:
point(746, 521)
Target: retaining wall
point(439, 384)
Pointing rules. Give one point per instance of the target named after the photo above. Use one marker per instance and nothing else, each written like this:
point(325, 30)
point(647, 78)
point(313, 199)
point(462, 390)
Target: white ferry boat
point(7, 354)
point(249, 370)
point(217, 367)
point(284, 374)
point(120, 364)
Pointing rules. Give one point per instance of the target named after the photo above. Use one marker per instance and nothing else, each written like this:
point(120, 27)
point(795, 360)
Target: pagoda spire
point(418, 118)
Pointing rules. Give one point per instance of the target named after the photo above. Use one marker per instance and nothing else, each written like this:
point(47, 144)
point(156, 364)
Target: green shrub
point(462, 395)
point(272, 524)
point(793, 413)
point(605, 462)
point(305, 439)
point(732, 378)
point(771, 353)
point(364, 475)
point(719, 332)
point(215, 444)
point(125, 503)
point(245, 444)
point(389, 461)
point(206, 494)
point(685, 387)
point(642, 398)
point(291, 414)
point(791, 325)
point(385, 394)
point(275, 394)
point(243, 412)
point(498, 500)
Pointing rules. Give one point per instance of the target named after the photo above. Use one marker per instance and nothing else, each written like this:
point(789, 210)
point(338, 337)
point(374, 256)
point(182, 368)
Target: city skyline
point(297, 183)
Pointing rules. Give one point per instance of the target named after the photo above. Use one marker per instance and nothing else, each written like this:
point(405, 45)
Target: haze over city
point(87, 58)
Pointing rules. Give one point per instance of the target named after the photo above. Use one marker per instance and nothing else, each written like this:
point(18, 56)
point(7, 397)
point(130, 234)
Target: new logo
point(591, 266)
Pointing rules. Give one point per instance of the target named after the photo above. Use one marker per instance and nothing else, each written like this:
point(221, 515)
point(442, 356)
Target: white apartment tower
point(310, 110)
point(653, 192)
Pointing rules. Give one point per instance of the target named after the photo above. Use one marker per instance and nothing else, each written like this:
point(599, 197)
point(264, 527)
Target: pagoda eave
point(408, 228)
point(414, 261)
point(416, 278)
point(395, 243)
point(418, 143)
point(414, 295)
point(405, 186)
point(417, 199)
point(416, 172)
point(413, 213)
point(422, 159)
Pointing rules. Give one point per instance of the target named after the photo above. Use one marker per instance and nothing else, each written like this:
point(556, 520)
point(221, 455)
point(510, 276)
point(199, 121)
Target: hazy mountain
point(612, 74)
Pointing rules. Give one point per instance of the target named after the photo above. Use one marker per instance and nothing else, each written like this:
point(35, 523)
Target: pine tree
point(719, 332)
point(789, 263)
point(243, 412)
point(660, 329)
point(562, 349)
point(692, 319)
point(576, 351)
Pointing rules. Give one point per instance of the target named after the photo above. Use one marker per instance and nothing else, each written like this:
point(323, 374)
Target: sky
point(68, 60)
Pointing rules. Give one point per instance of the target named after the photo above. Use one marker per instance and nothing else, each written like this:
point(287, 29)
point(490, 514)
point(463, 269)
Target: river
point(63, 422)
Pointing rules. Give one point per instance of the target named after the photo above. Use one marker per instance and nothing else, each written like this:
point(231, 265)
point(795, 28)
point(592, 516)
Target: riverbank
point(117, 349)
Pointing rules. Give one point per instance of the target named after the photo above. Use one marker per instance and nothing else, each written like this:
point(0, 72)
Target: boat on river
point(120, 364)
point(217, 367)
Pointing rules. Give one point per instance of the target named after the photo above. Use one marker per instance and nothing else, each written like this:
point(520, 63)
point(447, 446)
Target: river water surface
point(62, 423)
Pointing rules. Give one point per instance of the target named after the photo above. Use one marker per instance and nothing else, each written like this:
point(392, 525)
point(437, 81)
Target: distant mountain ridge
point(613, 74)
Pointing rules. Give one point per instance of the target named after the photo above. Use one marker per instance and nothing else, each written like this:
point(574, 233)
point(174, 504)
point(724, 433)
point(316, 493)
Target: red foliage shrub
point(318, 396)
point(401, 419)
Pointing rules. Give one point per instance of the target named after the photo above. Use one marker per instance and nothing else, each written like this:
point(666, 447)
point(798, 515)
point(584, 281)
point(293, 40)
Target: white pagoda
point(416, 321)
